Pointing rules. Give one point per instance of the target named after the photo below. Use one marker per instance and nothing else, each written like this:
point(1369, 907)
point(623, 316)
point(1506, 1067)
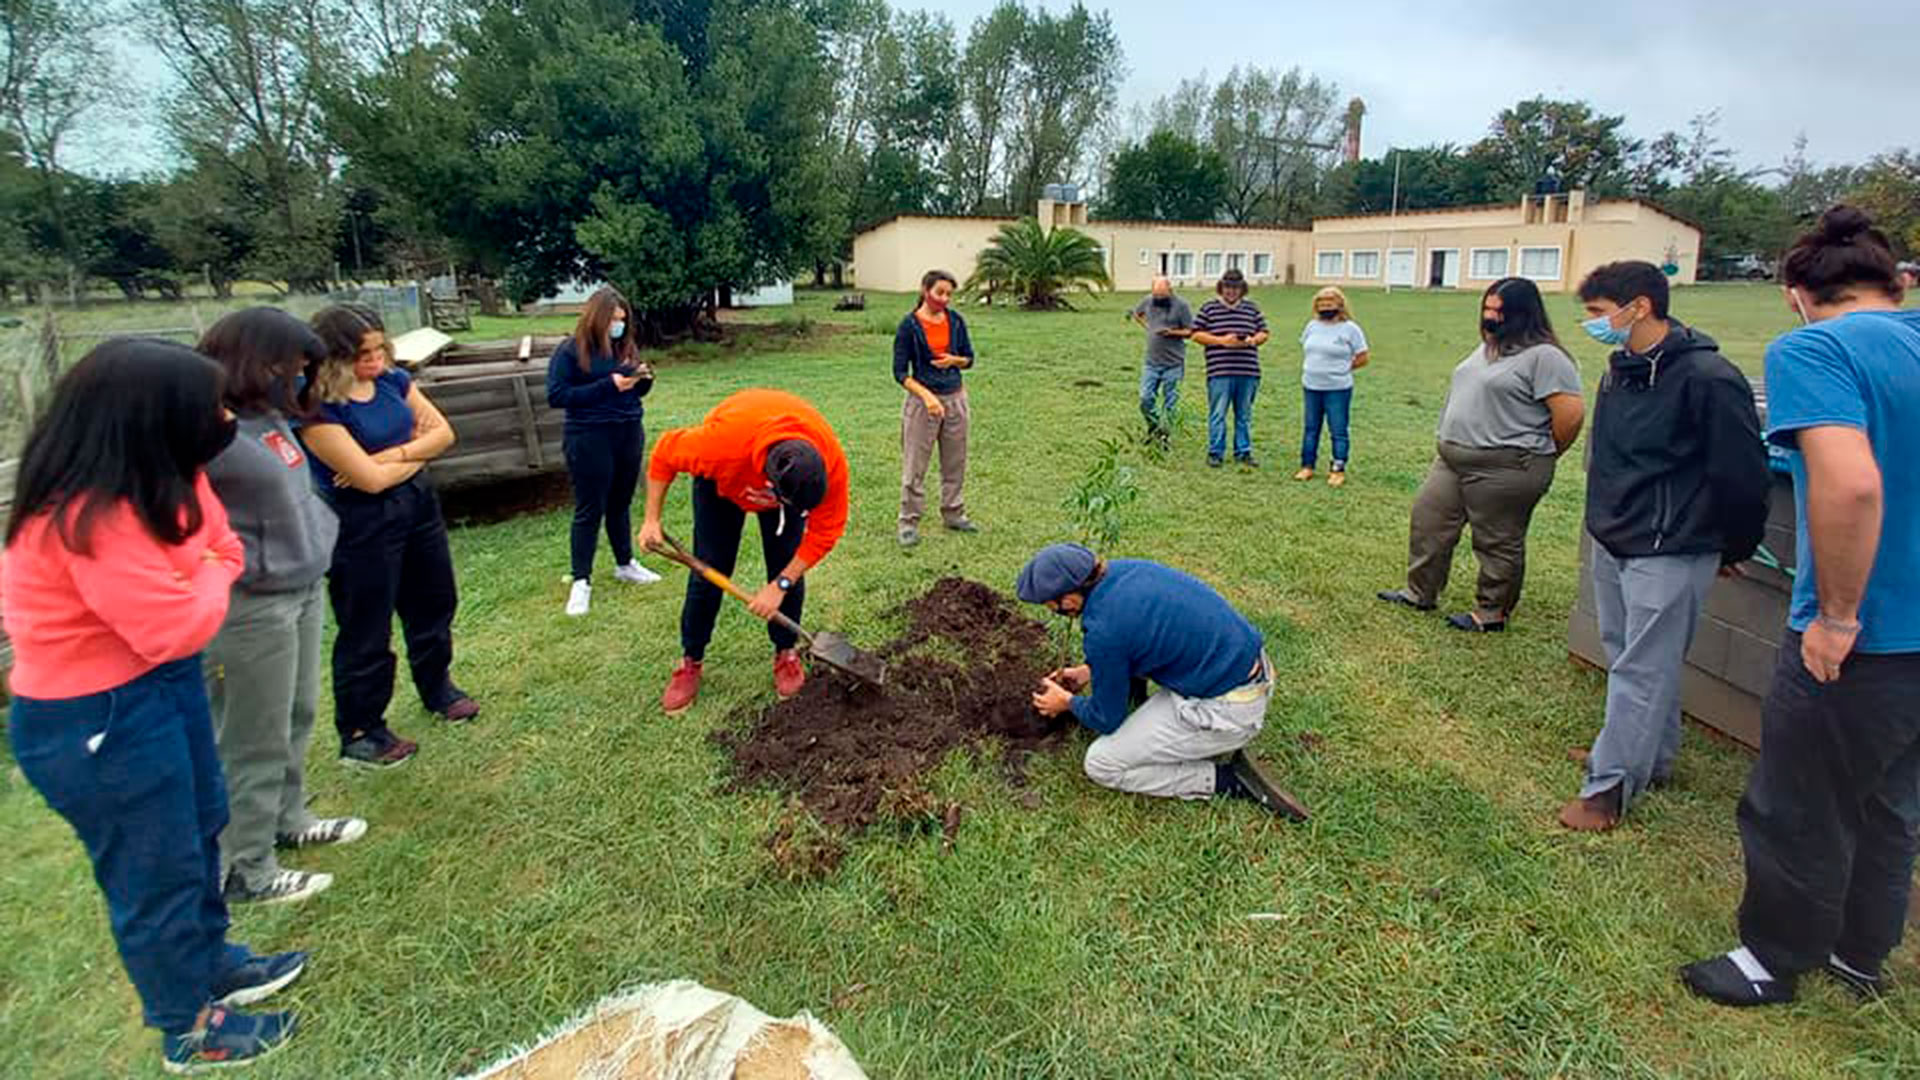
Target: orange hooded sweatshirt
point(730, 447)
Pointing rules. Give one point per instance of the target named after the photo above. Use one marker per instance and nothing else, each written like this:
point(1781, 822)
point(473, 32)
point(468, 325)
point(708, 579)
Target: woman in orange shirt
point(930, 350)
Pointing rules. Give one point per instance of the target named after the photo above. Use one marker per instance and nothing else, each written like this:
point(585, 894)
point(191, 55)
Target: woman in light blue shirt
point(1334, 349)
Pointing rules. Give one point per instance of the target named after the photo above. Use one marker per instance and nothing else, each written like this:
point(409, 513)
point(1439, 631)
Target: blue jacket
point(1148, 621)
point(589, 396)
point(913, 356)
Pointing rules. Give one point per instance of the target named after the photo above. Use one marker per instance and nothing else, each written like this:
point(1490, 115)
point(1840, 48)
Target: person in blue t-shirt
point(1832, 809)
point(1333, 348)
point(370, 437)
point(1141, 621)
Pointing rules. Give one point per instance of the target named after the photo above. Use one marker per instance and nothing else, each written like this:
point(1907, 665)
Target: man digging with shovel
point(767, 453)
point(1142, 620)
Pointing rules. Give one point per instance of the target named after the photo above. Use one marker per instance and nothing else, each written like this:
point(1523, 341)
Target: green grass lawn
point(1432, 921)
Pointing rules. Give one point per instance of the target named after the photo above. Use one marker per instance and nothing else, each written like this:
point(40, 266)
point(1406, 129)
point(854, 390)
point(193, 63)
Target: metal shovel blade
point(838, 653)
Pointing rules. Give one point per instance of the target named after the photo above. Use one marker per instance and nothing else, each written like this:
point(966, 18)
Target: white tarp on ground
point(681, 1031)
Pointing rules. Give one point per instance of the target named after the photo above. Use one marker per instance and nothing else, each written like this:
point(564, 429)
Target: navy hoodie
point(589, 396)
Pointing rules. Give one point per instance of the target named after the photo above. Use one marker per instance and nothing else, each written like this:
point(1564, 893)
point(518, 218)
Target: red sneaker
point(788, 674)
point(682, 688)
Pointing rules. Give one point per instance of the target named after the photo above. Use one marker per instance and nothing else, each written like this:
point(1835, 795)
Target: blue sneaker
point(228, 1040)
point(260, 977)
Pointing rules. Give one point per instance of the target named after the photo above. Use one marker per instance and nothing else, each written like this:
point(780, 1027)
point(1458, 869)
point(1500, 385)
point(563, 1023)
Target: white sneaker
point(333, 830)
point(634, 573)
point(581, 598)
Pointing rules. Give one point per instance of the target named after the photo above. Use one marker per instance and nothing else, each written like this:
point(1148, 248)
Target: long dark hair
point(135, 419)
point(591, 333)
point(1843, 251)
point(1523, 316)
point(265, 352)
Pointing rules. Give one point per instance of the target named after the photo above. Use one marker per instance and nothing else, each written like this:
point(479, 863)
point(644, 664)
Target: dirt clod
point(961, 675)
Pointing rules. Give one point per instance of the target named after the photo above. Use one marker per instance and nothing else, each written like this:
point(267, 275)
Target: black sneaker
point(1251, 782)
point(1720, 980)
point(378, 749)
point(1867, 986)
point(1246, 461)
point(1213, 462)
point(228, 1039)
point(284, 887)
point(258, 978)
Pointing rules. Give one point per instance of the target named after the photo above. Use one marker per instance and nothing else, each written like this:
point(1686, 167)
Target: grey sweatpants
point(920, 433)
point(1165, 746)
point(263, 679)
point(1648, 610)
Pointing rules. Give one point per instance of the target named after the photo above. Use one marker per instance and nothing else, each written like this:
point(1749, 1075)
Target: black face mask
point(1163, 301)
point(1490, 326)
point(1328, 315)
point(217, 438)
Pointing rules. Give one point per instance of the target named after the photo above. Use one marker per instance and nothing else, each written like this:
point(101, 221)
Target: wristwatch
point(785, 583)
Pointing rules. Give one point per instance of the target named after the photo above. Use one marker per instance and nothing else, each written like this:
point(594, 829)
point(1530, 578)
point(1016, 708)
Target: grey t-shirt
point(1502, 402)
point(1162, 351)
point(286, 530)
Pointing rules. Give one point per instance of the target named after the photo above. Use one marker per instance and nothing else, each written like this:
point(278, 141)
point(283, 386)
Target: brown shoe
point(1336, 478)
point(1595, 813)
point(1305, 473)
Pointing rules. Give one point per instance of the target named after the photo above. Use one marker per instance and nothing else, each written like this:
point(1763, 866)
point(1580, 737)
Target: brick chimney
point(1355, 110)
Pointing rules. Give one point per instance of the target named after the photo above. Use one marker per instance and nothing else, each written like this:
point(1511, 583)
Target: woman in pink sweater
point(118, 564)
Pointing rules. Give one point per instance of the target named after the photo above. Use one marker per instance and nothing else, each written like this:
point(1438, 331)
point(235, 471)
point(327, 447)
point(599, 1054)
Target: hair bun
point(1843, 224)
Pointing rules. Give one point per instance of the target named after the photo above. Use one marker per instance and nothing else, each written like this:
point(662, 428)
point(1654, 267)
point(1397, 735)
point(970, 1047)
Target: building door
point(1400, 267)
point(1445, 270)
point(1164, 257)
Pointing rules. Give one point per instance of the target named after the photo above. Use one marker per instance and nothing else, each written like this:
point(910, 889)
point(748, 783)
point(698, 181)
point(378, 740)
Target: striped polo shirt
point(1243, 319)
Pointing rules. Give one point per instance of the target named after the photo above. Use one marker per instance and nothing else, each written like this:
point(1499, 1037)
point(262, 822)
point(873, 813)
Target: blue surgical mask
point(617, 330)
point(1601, 329)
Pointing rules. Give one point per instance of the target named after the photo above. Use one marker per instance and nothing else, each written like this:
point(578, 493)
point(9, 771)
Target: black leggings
point(392, 558)
point(603, 461)
point(717, 525)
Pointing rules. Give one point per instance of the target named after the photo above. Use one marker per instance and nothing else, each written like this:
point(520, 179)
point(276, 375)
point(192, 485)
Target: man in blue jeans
point(1231, 329)
point(1168, 321)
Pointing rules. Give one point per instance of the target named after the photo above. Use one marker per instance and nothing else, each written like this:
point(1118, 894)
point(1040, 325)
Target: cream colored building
point(1553, 239)
point(891, 256)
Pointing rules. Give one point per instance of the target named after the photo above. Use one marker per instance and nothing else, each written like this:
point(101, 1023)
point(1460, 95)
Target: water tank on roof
point(1070, 193)
point(1053, 192)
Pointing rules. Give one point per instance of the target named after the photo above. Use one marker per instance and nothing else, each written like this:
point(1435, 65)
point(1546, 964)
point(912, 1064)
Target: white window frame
point(1473, 275)
point(1220, 260)
point(1240, 261)
point(1146, 256)
point(1559, 262)
point(1353, 264)
point(1255, 264)
point(1339, 270)
point(1173, 266)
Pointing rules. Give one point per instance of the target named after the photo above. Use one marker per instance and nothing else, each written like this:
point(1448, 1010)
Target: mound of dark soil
point(962, 675)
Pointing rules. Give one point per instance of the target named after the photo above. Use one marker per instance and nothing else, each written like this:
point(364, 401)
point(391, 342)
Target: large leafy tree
point(1564, 142)
point(1277, 132)
point(1039, 266)
point(1888, 188)
point(1166, 177)
point(673, 149)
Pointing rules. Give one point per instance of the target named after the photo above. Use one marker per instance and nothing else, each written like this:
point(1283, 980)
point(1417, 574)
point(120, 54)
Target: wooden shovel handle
point(692, 562)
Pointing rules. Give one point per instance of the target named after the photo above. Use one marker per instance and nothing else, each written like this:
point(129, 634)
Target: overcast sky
point(1846, 72)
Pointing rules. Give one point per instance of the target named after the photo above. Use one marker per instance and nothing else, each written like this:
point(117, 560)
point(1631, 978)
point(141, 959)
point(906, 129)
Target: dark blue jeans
point(1333, 407)
point(134, 771)
point(1236, 391)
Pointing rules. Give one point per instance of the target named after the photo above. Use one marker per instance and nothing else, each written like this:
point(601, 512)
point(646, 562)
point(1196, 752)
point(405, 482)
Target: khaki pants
point(919, 431)
point(1494, 491)
point(1166, 747)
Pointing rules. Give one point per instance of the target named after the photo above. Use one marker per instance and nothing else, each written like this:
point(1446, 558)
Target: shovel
point(827, 647)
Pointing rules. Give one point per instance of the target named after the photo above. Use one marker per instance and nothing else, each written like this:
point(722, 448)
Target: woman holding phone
point(594, 377)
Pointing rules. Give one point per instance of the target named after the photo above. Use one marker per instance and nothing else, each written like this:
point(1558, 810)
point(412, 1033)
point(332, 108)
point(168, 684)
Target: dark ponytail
point(1843, 252)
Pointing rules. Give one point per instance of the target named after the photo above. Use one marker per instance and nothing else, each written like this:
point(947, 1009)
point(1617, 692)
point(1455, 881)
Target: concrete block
point(1750, 661)
point(1711, 643)
point(1583, 640)
point(1721, 706)
point(1751, 605)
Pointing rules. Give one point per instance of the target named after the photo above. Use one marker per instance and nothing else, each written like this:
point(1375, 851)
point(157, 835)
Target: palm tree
point(1038, 265)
